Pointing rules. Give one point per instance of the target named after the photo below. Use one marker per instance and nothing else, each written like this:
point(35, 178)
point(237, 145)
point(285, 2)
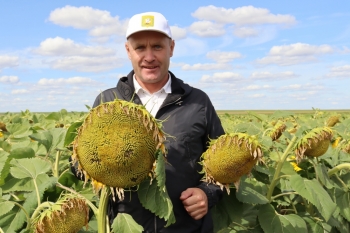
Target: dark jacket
point(191, 120)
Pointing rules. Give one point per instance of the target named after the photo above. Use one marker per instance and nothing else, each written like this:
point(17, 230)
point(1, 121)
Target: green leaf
point(5, 207)
point(72, 133)
point(342, 198)
point(251, 191)
point(251, 128)
point(314, 193)
point(266, 142)
point(52, 139)
point(6, 219)
point(29, 168)
point(287, 169)
point(125, 223)
point(272, 222)
point(339, 222)
point(20, 153)
point(281, 114)
point(321, 171)
point(156, 200)
point(54, 116)
point(154, 196)
point(20, 129)
point(260, 117)
point(160, 170)
point(12, 184)
point(223, 214)
point(315, 225)
point(231, 212)
point(261, 174)
point(44, 137)
point(58, 135)
point(16, 221)
point(5, 146)
point(4, 166)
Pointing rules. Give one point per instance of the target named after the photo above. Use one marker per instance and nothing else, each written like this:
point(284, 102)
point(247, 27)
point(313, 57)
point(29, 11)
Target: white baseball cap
point(148, 21)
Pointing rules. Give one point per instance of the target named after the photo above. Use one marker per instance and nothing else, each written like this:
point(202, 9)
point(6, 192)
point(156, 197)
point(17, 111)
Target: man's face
point(150, 54)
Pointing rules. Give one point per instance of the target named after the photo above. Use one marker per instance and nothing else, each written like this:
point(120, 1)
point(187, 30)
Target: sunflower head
point(314, 143)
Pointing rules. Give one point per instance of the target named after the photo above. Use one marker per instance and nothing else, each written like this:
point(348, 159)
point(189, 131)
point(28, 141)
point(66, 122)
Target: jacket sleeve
point(214, 130)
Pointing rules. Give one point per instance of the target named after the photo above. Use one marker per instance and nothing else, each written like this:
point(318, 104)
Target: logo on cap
point(147, 21)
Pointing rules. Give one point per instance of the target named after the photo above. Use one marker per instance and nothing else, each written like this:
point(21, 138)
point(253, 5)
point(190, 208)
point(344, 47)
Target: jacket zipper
point(155, 217)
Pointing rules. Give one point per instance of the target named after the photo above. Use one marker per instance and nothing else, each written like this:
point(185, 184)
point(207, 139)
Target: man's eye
point(157, 47)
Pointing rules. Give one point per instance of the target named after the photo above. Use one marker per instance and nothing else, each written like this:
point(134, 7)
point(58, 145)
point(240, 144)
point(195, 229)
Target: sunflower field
point(301, 182)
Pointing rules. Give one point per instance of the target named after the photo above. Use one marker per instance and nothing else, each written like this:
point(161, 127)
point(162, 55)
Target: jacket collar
point(126, 88)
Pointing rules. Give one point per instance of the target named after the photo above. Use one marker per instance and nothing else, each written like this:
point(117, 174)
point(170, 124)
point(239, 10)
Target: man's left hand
point(195, 202)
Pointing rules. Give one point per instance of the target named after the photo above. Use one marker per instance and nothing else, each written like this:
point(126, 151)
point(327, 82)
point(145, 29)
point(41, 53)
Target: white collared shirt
point(152, 102)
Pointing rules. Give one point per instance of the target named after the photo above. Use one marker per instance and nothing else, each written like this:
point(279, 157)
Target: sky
point(246, 55)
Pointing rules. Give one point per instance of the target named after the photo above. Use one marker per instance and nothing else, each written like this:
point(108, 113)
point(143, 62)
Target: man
point(190, 118)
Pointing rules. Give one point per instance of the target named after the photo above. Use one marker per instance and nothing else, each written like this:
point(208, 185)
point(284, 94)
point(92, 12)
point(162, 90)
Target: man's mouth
point(149, 67)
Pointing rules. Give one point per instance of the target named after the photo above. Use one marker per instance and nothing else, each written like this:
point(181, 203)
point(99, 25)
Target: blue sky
point(246, 55)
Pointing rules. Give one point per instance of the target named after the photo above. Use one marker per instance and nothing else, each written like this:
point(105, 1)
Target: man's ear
point(127, 48)
point(172, 46)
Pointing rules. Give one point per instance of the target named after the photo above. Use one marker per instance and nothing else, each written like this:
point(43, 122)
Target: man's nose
point(149, 55)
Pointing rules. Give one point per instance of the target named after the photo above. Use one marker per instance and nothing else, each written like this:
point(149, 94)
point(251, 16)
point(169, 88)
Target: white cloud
point(9, 79)
point(246, 15)
point(266, 75)
point(292, 86)
point(300, 49)
point(223, 57)
point(244, 32)
point(257, 96)
point(66, 81)
point(8, 61)
point(207, 66)
point(223, 77)
point(101, 23)
point(118, 28)
point(340, 72)
point(19, 91)
point(66, 47)
point(178, 33)
point(294, 54)
point(207, 29)
point(252, 87)
point(256, 87)
point(306, 87)
point(86, 64)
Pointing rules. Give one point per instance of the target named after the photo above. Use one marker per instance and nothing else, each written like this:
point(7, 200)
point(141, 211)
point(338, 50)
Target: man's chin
point(151, 78)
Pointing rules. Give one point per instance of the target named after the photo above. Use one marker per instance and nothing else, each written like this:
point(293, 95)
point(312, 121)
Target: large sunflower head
point(116, 145)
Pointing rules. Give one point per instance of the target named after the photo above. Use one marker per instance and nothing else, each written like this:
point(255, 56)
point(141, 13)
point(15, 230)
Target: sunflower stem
point(102, 210)
point(279, 167)
point(57, 162)
point(338, 168)
point(37, 191)
point(341, 181)
point(314, 163)
point(92, 206)
point(283, 194)
point(40, 207)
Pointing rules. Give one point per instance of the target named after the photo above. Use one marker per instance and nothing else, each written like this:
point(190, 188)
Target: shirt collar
point(166, 87)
